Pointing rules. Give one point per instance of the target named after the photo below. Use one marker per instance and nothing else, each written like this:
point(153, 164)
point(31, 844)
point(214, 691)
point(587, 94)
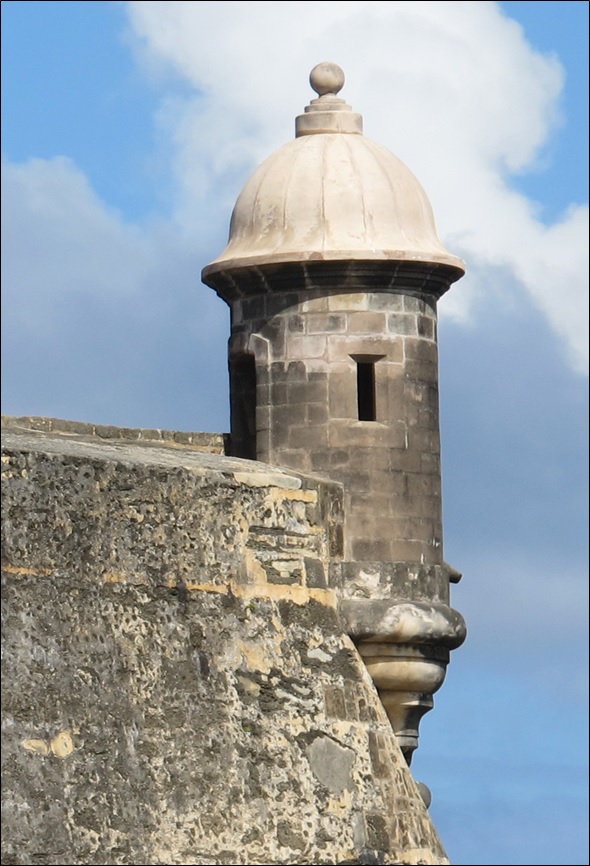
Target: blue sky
point(128, 130)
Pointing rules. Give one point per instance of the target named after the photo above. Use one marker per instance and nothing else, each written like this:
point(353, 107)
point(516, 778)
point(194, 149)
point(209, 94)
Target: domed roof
point(331, 194)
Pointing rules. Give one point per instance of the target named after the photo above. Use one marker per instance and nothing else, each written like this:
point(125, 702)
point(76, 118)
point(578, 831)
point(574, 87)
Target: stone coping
point(203, 453)
point(213, 443)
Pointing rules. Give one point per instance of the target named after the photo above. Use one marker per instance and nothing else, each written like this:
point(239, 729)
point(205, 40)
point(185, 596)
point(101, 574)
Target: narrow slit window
point(365, 379)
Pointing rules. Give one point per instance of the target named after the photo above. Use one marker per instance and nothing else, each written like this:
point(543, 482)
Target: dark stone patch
point(309, 615)
point(314, 571)
point(377, 834)
point(334, 703)
point(287, 836)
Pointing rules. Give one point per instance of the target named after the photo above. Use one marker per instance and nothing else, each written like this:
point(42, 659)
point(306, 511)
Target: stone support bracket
point(405, 645)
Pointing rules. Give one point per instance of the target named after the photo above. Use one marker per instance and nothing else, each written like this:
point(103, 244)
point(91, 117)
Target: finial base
point(328, 113)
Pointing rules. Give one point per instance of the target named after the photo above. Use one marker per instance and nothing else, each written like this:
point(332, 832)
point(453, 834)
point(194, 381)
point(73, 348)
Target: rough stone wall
point(177, 688)
point(307, 347)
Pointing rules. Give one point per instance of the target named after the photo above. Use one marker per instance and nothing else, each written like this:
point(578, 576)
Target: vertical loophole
point(365, 379)
point(243, 406)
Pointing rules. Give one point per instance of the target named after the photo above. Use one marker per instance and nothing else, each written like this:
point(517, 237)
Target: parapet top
point(328, 113)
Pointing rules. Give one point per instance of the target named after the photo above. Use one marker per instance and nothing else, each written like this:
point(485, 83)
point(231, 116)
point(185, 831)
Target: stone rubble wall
point(177, 687)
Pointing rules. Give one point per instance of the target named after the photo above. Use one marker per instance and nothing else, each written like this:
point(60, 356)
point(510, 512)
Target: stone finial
point(328, 113)
point(326, 79)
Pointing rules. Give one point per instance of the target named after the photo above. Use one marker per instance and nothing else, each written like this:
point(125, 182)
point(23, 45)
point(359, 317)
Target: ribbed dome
point(331, 194)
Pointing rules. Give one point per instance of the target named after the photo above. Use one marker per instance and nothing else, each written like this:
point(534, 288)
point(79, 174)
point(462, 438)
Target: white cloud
point(94, 304)
point(453, 88)
point(60, 239)
point(554, 268)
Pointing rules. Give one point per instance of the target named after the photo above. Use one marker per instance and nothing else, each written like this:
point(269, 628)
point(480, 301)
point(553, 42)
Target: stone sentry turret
point(333, 272)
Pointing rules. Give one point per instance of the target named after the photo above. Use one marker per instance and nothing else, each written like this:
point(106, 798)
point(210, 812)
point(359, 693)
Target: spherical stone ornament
point(326, 78)
point(425, 793)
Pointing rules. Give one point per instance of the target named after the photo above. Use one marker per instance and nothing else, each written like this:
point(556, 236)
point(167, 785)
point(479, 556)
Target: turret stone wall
point(178, 687)
point(309, 349)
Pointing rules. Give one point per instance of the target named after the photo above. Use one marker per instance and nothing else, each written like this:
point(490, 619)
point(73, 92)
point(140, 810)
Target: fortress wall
point(177, 688)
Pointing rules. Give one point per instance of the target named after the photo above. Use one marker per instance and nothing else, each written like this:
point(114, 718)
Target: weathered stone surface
point(177, 686)
point(303, 403)
point(397, 580)
point(213, 443)
point(413, 623)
